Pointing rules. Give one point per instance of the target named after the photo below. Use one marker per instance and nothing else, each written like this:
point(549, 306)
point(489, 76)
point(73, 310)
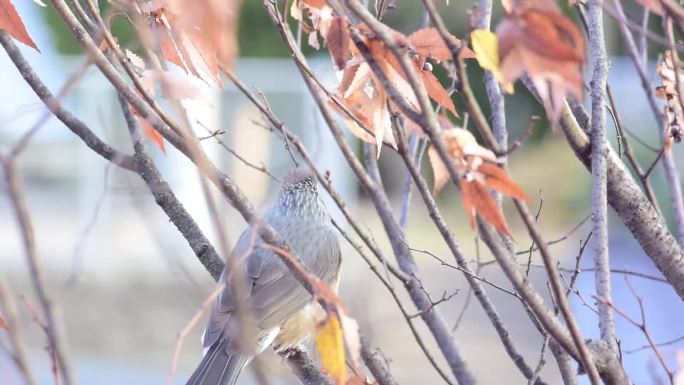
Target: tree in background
point(388, 96)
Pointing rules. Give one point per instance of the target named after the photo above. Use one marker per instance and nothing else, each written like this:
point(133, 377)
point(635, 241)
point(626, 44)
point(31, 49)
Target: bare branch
point(14, 331)
point(630, 203)
point(53, 328)
point(599, 154)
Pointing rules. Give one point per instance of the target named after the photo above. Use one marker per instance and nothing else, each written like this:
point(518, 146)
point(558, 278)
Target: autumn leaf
point(11, 22)
point(330, 344)
point(317, 11)
point(496, 178)
point(548, 46)
point(149, 131)
point(485, 45)
point(459, 144)
point(480, 174)
point(669, 92)
point(477, 199)
point(199, 40)
point(436, 91)
point(428, 43)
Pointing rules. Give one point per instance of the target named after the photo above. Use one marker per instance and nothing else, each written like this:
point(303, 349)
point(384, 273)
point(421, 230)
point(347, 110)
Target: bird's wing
point(272, 293)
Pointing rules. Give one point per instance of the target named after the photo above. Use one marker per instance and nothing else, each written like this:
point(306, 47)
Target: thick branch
point(167, 200)
point(632, 206)
point(669, 166)
point(599, 153)
point(304, 368)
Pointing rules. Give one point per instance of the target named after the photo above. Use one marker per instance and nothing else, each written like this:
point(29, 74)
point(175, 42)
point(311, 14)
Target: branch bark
point(631, 205)
point(599, 153)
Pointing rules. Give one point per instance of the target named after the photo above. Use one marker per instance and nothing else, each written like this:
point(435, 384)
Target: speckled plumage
point(282, 309)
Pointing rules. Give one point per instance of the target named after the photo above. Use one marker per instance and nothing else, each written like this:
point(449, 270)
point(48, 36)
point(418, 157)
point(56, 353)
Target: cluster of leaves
point(480, 173)
point(361, 92)
point(367, 105)
point(535, 38)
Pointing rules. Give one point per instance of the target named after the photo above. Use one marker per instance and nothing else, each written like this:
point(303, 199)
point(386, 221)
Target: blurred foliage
point(258, 38)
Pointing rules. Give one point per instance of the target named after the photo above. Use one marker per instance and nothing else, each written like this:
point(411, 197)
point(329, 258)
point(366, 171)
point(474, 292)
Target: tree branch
point(599, 153)
point(631, 205)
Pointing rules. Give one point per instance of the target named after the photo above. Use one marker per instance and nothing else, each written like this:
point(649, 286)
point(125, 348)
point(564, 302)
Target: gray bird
point(283, 312)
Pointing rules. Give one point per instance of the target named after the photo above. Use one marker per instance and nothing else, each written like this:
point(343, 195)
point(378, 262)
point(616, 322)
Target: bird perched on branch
point(263, 304)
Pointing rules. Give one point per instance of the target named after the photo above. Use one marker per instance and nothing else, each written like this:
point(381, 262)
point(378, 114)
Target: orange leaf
point(149, 131)
point(153, 135)
point(337, 40)
point(315, 3)
point(436, 91)
point(497, 179)
point(11, 22)
point(478, 200)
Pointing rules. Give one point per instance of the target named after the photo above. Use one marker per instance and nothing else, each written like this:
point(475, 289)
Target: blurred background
point(126, 282)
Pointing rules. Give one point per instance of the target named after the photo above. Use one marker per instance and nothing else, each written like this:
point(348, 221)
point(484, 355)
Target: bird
point(282, 313)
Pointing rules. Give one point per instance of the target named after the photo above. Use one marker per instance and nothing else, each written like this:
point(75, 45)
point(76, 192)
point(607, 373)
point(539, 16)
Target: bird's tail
point(218, 367)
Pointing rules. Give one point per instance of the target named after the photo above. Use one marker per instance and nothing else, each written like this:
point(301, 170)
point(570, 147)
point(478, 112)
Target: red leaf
point(478, 199)
point(11, 22)
point(497, 179)
point(436, 91)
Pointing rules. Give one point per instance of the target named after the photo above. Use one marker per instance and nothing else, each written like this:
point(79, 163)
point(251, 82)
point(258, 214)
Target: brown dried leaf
point(461, 143)
point(440, 174)
point(369, 106)
point(429, 43)
point(337, 40)
point(347, 78)
point(11, 22)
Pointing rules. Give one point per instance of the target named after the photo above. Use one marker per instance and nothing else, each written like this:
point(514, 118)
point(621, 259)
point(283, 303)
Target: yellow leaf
point(485, 45)
point(330, 344)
